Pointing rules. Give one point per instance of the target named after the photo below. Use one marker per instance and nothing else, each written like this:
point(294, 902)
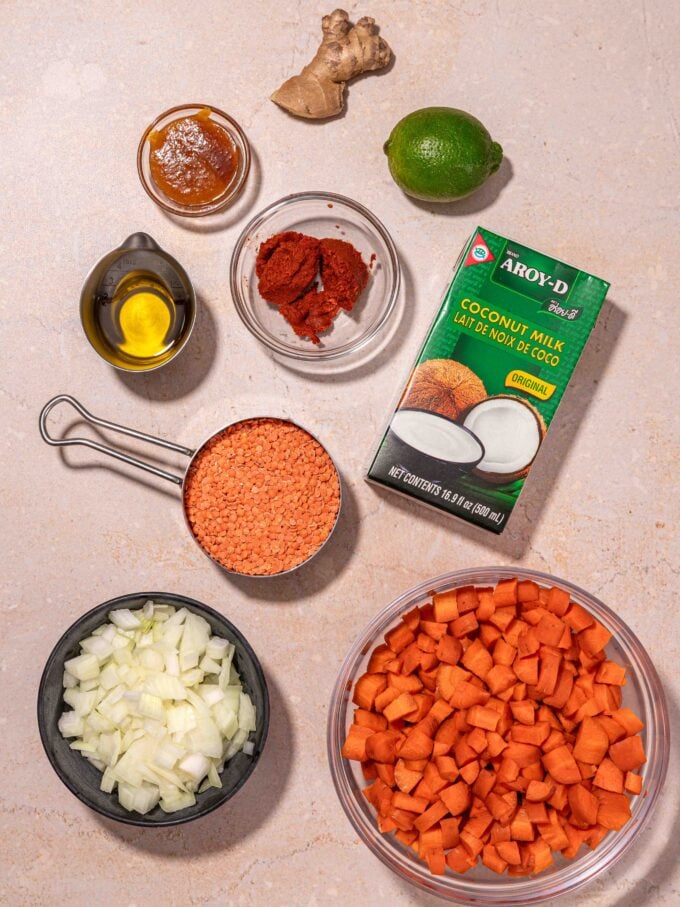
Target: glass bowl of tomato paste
point(642, 693)
point(322, 216)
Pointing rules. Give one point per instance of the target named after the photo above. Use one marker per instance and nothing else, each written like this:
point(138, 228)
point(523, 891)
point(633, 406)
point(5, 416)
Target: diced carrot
point(494, 744)
point(499, 808)
point(382, 746)
point(412, 619)
point(434, 629)
point(403, 705)
point(470, 771)
point(433, 779)
point(521, 828)
point(481, 717)
point(633, 783)
point(553, 834)
point(563, 688)
point(489, 634)
point(476, 738)
point(386, 824)
point(471, 843)
point(462, 626)
point(381, 655)
point(467, 599)
point(466, 695)
point(364, 718)
point(406, 837)
point(594, 638)
point(550, 662)
point(400, 800)
point(405, 779)
point(431, 839)
point(505, 592)
point(576, 838)
point(535, 734)
point(445, 738)
point(509, 852)
point(628, 754)
point(523, 753)
point(540, 851)
point(425, 643)
point(411, 659)
point(526, 669)
point(447, 768)
point(416, 746)
point(431, 816)
point(367, 688)
point(536, 811)
point(450, 832)
point(449, 650)
point(484, 783)
point(613, 811)
point(456, 798)
point(550, 629)
point(595, 835)
point(609, 777)
point(592, 742)
point(354, 746)
point(578, 618)
point(502, 618)
point(527, 591)
point(399, 637)
point(424, 703)
point(523, 711)
point(402, 818)
point(508, 770)
point(539, 790)
point(493, 860)
point(382, 699)
point(445, 606)
point(562, 765)
point(404, 684)
point(478, 824)
point(440, 710)
point(610, 672)
point(628, 720)
point(448, 678)
point(558, 601)
point(486, 605)
point(583, 804)
point(533, 772)
point(459, 859)
point(415, 765)
point(500, 678)
point(385, 772)
point(436, 861)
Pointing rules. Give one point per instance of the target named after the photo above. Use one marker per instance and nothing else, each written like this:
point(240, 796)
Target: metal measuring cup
point(163, 473)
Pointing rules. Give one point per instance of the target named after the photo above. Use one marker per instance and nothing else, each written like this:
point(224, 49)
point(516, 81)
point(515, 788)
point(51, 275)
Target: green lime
point(440, 154)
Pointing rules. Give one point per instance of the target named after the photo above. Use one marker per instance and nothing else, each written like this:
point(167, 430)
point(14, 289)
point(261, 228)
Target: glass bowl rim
point(312, 354)
point(241, 142)
point(178, 600)
point(519, 891)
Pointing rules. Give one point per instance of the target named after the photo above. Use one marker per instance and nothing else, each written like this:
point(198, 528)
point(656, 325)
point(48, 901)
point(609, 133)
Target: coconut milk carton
point(488, 379)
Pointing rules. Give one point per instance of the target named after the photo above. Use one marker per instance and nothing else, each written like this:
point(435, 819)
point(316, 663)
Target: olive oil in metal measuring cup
point(138, 305)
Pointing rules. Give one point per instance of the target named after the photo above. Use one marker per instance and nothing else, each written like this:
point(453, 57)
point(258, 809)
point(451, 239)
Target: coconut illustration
point(427, 443)
point(443, 386)
point(510, 430)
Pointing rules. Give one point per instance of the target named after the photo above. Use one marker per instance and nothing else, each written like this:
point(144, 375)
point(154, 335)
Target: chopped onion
point(157, 706)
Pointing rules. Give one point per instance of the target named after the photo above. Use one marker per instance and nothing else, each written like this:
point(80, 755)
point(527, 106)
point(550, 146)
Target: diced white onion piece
point(181, 801)
point(147, 610)
point(83, 667)
point(249, 747)
point(125, 619)
point(196, 765)
point(98, 646)
point(209, 665)
point(69, 681)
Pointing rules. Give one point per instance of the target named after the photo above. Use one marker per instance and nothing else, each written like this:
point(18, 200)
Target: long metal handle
point(110, 451)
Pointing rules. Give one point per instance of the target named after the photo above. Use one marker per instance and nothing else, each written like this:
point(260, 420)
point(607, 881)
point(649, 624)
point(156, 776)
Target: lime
point(440, 154)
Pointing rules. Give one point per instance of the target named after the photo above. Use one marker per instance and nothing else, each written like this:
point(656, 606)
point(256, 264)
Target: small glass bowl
point(234, 188)
point(480, 886)
point(324, 215)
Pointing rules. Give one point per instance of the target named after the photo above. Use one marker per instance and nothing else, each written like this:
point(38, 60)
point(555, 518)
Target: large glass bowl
point(323, 215)
point(480, 886)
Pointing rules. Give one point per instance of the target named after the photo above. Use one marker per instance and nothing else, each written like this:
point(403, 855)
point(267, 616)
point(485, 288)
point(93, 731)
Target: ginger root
point(345, 52)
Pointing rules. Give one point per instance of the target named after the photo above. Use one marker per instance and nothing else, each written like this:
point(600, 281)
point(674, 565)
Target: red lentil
point(262, 496)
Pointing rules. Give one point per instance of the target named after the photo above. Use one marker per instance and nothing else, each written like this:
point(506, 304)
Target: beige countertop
point(583, 98)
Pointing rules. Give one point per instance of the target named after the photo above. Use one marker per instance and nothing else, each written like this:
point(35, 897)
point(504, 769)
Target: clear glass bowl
point(234, 188)
point(320, 214)
point(643, 693)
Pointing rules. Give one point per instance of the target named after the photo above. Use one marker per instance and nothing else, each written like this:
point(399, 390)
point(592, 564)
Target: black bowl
point(83, 779)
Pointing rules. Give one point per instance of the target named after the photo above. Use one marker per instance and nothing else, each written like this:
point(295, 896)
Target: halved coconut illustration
point(511, 431)
point(431, 446)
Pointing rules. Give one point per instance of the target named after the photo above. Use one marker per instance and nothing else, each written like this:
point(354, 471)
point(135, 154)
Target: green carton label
point(488, 379)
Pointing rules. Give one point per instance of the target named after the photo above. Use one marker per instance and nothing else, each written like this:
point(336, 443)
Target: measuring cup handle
point(102, 448)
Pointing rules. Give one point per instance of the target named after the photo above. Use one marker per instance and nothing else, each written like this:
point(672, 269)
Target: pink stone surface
point(584, 99)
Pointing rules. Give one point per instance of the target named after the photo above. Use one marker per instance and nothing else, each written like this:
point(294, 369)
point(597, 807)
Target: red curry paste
point(288, 265)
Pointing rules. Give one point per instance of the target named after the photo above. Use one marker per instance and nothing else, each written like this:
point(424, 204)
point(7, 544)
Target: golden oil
point(137, 306)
